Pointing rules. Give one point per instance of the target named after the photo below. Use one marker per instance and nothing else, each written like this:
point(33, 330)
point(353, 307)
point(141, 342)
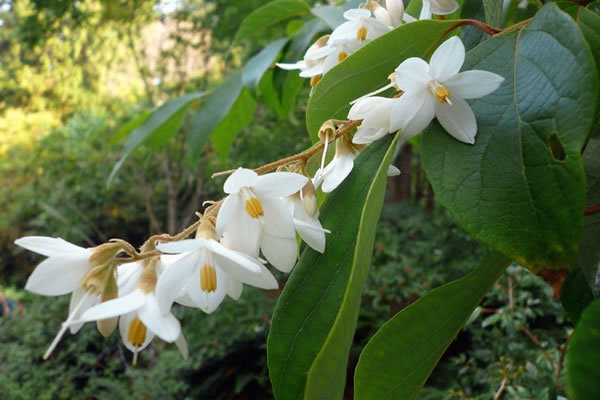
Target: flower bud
point(307, 194)
point(327, 131)
point(111, 291)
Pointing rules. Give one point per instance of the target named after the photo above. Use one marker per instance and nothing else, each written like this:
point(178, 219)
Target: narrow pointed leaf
point(159, 127)
point(397, 360)
point(521, 187)
point(368, 69)
point(315, 317)
point(256, 67)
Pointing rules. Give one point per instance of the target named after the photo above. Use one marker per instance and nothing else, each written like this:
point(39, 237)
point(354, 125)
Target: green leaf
point(239, 116)
point(589, 253)
point(589, 22)
point(126, 129)
point(368, 69)
point(397, 360)
point(315, 317)
point(583, 356)
point(333, 16)
point(575, 294)
point(493, 12)
point(212, 112)
point(520, 188)
point(270, 14)
point(157, 128)
point(256, 67)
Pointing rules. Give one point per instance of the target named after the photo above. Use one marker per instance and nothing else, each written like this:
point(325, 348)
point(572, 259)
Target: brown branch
point(591, 210)
point(561, 360)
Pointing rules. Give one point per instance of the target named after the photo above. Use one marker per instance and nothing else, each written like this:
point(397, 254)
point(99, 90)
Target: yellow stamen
point(314, 80)
point(137, 332)
point(442, 94)
point(361, 34)
point(208, 278)
point(254, 207)
point(342, 56)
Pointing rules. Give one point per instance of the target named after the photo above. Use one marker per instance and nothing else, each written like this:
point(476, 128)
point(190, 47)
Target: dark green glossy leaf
point(521, 187)
point(212, 112)
point(397, 360)
point(239, 116)
point(270, 14)
point(157, 128)
point(256, 67)
point(576, 294)
point(583, 356)
point(368, 69)
point(315, 317)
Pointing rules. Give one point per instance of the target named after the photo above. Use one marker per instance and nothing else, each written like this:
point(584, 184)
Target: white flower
point(140, 316)
point(64, 272)
point(303, 206)
point(331, 176)
point(375, 113)
point(438, 90)
point(359, 28)
point(254, 215)
point(437, 7)
point(314, 59)
point(391, 15)
point(207, 271)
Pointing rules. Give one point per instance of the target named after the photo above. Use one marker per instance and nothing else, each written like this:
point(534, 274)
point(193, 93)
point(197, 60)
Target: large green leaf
point(157, 128)
point(397, 360)
point(333, 15)
point(315, 317)
point(521, 187)
point(493, 12)
point(256, 67)
point(239, 116)
point(583, 356)
point(212, 112)
point(368, 69)
point(270, 14)
point(576, 294)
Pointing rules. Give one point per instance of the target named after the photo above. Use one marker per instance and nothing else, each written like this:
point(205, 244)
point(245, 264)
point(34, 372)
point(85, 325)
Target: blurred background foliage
point(74, 74)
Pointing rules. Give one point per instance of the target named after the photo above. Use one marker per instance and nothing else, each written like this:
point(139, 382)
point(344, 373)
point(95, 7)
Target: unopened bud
point(309, 198)
point(206, 230)
point(111, 291)
point(327, 131)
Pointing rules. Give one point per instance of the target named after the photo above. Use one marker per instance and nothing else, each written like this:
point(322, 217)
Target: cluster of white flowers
point(362, 26)
point(115, 285)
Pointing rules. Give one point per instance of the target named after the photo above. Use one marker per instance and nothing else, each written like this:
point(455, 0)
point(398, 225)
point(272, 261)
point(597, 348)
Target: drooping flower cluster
point(363, 25)
point(116, 286)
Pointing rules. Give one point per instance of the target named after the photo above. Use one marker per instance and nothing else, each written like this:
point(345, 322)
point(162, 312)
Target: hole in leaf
point(556, 147)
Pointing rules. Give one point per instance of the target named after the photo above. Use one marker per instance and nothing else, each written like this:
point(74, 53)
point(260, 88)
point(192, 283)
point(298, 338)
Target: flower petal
point(337, 170)
point(412, 75)
point(182, 346)
point(282, 253)
point(240, 178)
point(128, 276)
point(365, 106)
point(457, 119)
point(165, 326)
point(312, 234)
point(50, 247)
point(118, 306)
point(58, 275)
point(393, 170)
point(277, 219)
point(279, 184)
point(87, 301)
point(473, 84)
point(181, 246)
point(234, 288)
point(412, 113)
point(355, 14)
point(124, 323)
point(175, 278)
point(207, 301)
point(237, 258)
point(262, 279)
point(425, 10)
point(443, 7)
point(447, 59)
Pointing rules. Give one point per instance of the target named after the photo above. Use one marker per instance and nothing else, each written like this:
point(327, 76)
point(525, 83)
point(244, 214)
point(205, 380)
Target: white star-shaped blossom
point(206, 272)
point(438, 89)
point(314, 59)
point(375, 113)
point(360, 28)
point(140, 317)
point(254, 215)
point(303, 206)
point(437, 7)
